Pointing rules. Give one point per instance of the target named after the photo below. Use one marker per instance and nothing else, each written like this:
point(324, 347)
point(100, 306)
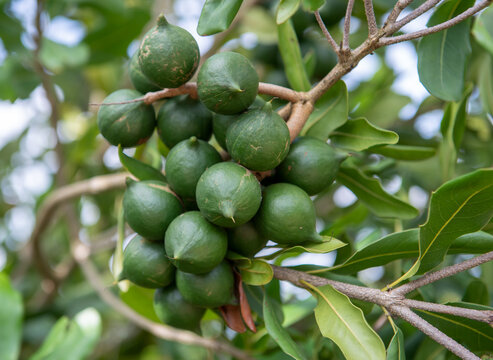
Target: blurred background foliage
point(85, 50)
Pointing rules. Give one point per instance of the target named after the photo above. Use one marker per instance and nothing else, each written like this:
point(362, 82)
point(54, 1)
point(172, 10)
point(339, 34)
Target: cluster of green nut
point(208, 206)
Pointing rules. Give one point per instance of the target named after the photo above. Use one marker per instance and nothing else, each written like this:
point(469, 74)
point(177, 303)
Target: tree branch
point(384, 41)
point(443, 273)
point(81, 255)
point(299, 115)
point(326, 32)
point(478, 315)
point(347, 27)
point(396, 11)
point(370, 17)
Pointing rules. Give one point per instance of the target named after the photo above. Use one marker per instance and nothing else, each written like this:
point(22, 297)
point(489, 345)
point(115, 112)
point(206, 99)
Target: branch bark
point(326, 33)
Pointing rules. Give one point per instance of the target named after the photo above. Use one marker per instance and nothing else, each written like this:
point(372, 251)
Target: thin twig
point(298, 117)
point(435, 334)
point(81, 255)
point(396, 11)
point(434, 29)
point(443, 273)
point(370, 17)
point(326, 32)
point(420, 10)
point(347, 27)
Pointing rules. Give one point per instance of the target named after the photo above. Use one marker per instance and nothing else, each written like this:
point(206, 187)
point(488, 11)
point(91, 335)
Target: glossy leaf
point(315, 248)
point(475, 335)
point(313, 5)
point(460, 206)
point(370, 192)
point(274, 327)
point(139, 169)
point(217, 16)
point(344, 323)
point(330, 112)
point(11, 311)
point(483, 29)
point(71, 339)
point(477, 292)
point(258, 272)
point(404, 245)
point(291, 57)
point(286, 9)
point(404, 152)
point(396, 350)
point(359, 134)
point(442, 56)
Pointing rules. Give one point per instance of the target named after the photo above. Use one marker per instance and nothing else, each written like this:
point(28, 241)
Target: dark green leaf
point(477, 292)
point(71, 339)
point(396, 350)
point(297, 311)
point(460, 206)
point(286, 9)
point(258, 272)
point(313, 5)
point(18, 79)
point(330, 112)
point(10, 31)
point(475, 335)
point(442, 56)
point(344, 323)
point(277, 331)
point(139, 169)
point(483, 29)
point(217, 16)
point(431, 350)
point(404, 152)
point(11, 311)
point(291, 56)
point(370, 192)
point(359, 134)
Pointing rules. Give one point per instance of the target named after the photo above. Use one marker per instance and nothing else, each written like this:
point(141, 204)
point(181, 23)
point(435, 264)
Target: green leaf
point(477, 336)
point(370, 192)
point(485, 83)
point(10, 30)
point(452, 128)
point(57, 57)
point(11, 312)
point(141, 300)
point(396, 350)
point(313, 5)
point(325, 247)
point(483, 29)
point(296, 311)
point(277, 331)
point(17, 77)
point(477, 292)
point(258, 272)
point(217, 16)
point(330, 112)
point(291, 57)
point(259, 21)
point(404, 152)
point(286, 9)
point(344, 323)
point(405, 244)
point(139, 169)
point(71, 339)
point(442, 56)
point(460, 206)
point(359, 134)
point(431, 350)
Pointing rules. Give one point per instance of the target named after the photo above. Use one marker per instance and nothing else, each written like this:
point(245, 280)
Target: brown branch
point(396, 11)
point(478, 315)
point(326, 32)
point(435, 334)
point(81, 255)
point(347, 27)
point(299, 115)
point(420, 10)
point(443, 273)
point(60, 196)
point(434, 29)
point(370, 17)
